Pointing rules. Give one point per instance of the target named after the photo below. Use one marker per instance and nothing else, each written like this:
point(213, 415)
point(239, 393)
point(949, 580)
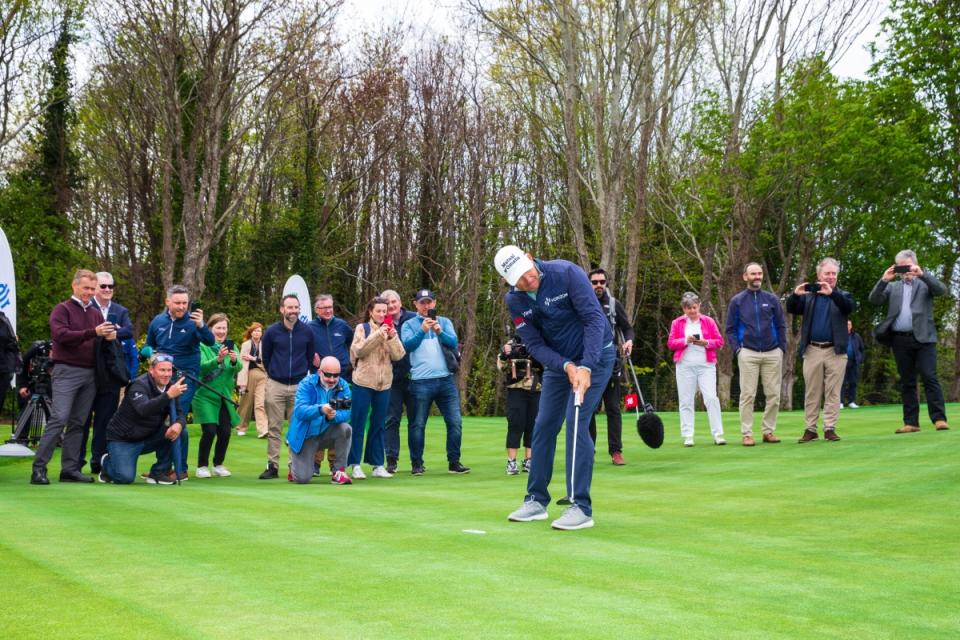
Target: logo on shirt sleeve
point(519, 322)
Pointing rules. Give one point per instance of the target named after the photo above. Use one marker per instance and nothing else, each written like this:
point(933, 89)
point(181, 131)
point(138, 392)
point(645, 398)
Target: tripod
point(32, 420)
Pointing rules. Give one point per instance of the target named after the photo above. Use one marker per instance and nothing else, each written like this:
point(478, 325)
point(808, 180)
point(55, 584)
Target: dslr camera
point(339, 403)
point(518, 350)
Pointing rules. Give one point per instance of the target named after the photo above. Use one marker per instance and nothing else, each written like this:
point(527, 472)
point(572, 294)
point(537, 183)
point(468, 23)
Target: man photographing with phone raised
point(179, 334)
point(558, 317)
point(910, 330)
point(823, 346)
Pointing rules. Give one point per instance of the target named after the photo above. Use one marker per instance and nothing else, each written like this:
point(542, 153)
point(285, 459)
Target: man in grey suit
point(910, 331)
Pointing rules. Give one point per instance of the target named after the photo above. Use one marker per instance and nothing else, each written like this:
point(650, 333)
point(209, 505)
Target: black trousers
point(611, 406)
point(848, 393)
point(105, 404)
point(522, 407)
point(912, 358)
point(221, 431)
point(5, 379)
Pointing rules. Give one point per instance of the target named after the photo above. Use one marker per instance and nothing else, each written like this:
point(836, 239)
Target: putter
point(577, 401)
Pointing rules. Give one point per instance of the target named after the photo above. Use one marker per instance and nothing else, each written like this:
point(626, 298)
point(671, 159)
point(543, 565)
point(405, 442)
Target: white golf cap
point(511, 263)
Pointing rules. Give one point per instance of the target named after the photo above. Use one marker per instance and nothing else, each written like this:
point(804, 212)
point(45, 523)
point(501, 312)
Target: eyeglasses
point(161, 357)
point(106, 286)
point(598, 282)
point(327, 374)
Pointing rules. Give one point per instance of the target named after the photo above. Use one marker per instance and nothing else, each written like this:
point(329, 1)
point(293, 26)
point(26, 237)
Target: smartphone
point(388, 320)
point(195, 306)
point(696, 336)
point(902, 268)
point(228, 343)
point(432, 314)
point(112, 318)
point(812, 287)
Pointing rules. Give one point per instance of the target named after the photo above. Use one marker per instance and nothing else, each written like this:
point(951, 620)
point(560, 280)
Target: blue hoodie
point(563, 322)
point(755, 321)
point(307, 419)
point(180, 339)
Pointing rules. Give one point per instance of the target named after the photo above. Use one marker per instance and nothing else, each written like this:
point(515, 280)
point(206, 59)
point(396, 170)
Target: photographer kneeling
point(320, 420)
point(139, 425)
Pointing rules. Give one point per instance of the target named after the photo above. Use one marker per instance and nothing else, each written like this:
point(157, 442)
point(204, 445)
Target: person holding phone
point(179, 334)
point(431, 380)
point(823, 346)
point(219, 366)
point(108, 396)
point(909, 329)
point(695, 340)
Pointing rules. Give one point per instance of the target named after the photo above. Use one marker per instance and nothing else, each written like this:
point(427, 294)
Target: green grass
point(855, 539)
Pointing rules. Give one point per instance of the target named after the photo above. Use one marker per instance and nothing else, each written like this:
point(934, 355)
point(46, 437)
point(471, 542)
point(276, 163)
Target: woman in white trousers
point(695, 340)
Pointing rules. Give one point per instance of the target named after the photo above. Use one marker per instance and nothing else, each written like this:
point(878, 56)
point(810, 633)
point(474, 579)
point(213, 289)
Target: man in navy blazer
point(108, 398)
point(909, 329)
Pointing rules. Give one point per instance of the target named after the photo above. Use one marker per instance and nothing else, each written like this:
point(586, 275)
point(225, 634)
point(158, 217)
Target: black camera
point(37, 367)
point(339, 403)
point(518, 350)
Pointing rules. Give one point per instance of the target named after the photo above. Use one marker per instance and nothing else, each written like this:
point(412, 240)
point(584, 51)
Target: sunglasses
point(330, 375)
point(598, 282)
point(106, 286)
point(161, 357)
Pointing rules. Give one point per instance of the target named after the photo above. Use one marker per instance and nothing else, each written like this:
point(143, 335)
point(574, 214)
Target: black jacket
point(142, 413)
point(842, 307)
point(112, 369)
point(9, 347)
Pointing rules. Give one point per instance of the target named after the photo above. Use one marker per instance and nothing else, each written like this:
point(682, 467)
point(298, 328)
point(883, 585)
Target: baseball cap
point(424, 293)
point(511, 263)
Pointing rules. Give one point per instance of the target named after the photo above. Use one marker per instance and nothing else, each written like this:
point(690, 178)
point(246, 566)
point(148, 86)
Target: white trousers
point(690, 377)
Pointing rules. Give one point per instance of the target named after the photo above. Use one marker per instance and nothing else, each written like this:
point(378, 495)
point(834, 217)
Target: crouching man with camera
point(321, 411)
point(140, 425)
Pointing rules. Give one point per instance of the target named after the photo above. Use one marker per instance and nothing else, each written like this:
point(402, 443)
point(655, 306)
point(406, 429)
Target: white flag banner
point(298, 287)
point(8, 284)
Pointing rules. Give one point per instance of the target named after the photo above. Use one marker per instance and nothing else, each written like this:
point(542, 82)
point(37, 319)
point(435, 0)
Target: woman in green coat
point(219, 366)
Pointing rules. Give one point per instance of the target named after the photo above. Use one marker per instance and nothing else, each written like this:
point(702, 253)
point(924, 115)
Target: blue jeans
point(444, 392)
point(121, 461)
point(363, 399)
point(556, 404)
point(399, 400)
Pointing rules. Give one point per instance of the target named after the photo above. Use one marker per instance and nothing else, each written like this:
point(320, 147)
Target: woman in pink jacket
point(695, 340)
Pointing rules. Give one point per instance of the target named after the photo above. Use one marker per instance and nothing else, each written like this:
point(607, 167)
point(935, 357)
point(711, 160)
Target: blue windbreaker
point(755, 321)
point(307, 419)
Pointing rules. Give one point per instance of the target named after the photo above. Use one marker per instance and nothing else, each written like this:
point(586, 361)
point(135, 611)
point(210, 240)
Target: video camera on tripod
point(35, 376)
point(37, 368)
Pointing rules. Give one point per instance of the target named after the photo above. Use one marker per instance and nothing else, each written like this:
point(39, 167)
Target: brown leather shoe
point(748, 441)
point(769, 437)
point(907, 428)
point(809, 435)
point(831, 435)
point(617, 459)
point(941, 425)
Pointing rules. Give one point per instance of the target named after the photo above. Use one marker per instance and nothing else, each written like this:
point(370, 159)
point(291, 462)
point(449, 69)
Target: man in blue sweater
point(559, 318)
point(179, 334)
point(431, 380)
point(287, 350)
point(757, 334)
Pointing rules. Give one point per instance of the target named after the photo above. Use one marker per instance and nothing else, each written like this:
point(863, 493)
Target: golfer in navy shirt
point(556, 313)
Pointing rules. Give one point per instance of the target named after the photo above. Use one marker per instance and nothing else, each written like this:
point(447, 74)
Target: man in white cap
point(559, 319)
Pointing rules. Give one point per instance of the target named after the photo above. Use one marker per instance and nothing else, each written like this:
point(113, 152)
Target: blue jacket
point(287, 355)
point(426, 358)
point(180, 339)
point(307, 419)
point(841, 306)
point(332, 339)
point(755, 321)
point(565, 322)
point(118, 315)
point(401, 368)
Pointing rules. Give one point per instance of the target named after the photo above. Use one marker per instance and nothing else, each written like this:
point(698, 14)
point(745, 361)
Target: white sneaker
point(380, 472)
point(221, 471)
point(204, 472)
point(719, 440)
point(357, 473)
point(688, 442)
point(841, 405)
point(853, 405)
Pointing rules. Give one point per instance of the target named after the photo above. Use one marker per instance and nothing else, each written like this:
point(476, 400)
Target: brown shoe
point(831, 435)
point(907, 428)
point(769, 437)
point(617, 459)
point(809, 435)
point(748, 441)
point(941, 425)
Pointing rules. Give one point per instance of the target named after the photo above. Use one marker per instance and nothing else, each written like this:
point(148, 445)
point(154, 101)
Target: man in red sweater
point(75, 325)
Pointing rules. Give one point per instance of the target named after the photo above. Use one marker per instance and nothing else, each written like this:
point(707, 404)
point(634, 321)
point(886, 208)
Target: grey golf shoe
point(572, 519)
point(531, 510)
